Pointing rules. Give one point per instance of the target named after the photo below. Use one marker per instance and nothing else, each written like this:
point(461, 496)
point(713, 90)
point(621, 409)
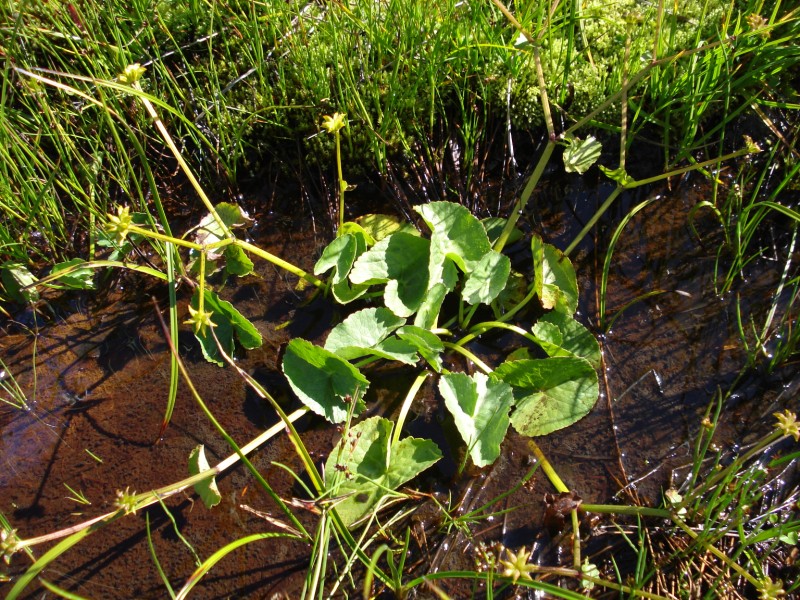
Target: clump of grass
point(733, 521)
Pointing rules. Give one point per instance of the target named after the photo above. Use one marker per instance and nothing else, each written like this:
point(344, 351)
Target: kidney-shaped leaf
point(363, 466)
point(73, 276)
point(381, 226)
point(479, 406)
point(400, 260)
point(456, 234)
point(575, 340)
point(554, 277)
point(488, 278)
point(363, 329)
point(428, 344)
point(323, 381)
point(209, 231)
point(551, 393)
point(366, 332)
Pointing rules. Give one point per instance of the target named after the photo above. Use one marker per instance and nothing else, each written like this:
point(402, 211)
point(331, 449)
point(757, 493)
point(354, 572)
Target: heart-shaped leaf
point(363, 466)
point(455, 234)
point(479, 406)
point(487, 279)
point(401, 261)
point(551, 393)
point(323, 381)
point(573, 338)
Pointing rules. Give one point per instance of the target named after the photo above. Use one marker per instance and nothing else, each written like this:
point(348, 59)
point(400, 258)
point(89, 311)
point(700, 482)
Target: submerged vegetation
point(99, 113)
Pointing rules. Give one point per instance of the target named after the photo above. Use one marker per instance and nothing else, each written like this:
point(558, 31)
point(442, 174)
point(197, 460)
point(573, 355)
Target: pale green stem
point(694, 167)
point(409, 400)
point(146, 499)
point(342, 182)
point(165, 238)
point(548, 120)
point(624, 100)
point(279, 262)
point(519, 306)
point(595, 217)
point(469, 355)
point(183, 164)
point(201, 296)
point(576, 539)
point(482, 328)
point(615, 509)
point(718, 553)
point(548, 469)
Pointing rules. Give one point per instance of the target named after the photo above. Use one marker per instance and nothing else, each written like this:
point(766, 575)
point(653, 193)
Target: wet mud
point(99, 388)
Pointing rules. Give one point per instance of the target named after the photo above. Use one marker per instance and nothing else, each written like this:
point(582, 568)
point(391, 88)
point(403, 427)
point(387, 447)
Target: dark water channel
point(98, 391)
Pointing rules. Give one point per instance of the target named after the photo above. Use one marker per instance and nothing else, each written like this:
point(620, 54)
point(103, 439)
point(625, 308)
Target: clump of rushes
point(334, 124)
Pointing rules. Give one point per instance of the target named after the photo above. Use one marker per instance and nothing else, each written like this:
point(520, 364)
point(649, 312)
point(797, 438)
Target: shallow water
point(101, 381)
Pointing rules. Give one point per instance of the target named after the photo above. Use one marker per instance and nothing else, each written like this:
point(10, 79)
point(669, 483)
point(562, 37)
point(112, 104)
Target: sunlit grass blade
point(225, 551)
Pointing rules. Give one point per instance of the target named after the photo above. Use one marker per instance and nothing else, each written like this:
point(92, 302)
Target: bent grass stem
point(77, 532)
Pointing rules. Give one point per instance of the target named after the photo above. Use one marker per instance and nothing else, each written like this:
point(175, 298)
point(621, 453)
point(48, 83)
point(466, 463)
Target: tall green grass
point(250, 82)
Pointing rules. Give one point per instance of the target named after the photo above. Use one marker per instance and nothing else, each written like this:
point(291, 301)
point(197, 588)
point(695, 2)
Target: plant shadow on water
point(102, 375)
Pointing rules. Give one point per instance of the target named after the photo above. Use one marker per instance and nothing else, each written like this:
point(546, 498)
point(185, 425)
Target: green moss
point(591, 70)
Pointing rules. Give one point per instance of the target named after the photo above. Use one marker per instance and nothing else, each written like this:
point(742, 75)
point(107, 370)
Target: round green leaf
point(551, 393)
point(400, 260)
point(488, 278)
point(322, 380)
point(456, 234)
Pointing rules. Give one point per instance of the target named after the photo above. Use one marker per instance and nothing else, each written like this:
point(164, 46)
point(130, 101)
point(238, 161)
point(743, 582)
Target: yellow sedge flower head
point(787, 423)
point(758, 23)
point(516, 566)
point(9, 544)
point(131, 74)
point(126, 502)
point(334, 123)
point(200, 320)
point(120, 224)
point(771, 590)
